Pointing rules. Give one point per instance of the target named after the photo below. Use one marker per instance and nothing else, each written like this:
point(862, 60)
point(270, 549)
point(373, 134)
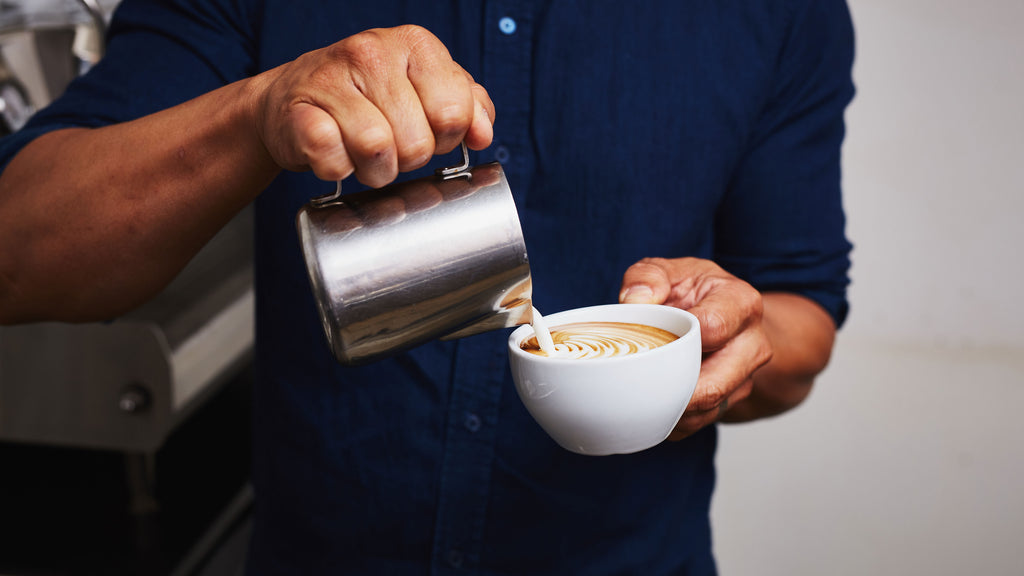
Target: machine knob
point(134, 399)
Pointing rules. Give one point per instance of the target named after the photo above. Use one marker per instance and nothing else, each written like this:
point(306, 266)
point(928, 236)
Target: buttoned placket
point(482, 361)
point(507, 68)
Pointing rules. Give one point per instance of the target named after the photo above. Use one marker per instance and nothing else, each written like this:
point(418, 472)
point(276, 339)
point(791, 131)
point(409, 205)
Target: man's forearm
point(801, 334)
point(95, 221)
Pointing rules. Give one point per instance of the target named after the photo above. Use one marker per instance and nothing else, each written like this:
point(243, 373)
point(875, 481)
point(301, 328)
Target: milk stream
point(540, 329)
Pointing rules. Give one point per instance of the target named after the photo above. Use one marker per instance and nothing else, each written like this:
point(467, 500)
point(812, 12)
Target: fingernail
point(639, 294)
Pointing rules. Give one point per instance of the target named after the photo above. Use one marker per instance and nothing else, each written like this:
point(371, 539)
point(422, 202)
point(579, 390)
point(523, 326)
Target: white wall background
point(908, 458)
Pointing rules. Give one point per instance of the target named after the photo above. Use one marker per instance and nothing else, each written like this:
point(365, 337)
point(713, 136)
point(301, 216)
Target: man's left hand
point(732, 335)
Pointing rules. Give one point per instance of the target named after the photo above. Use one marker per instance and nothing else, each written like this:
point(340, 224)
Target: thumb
point(637, 294)
point(646, 282)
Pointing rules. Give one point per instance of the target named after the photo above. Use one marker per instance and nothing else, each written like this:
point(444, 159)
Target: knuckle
point(318, 138)
point(365, 42)
point(414, 154)
point(706, 402)
point(373, 142)
point(752, 301)
point(365, 52)
point(322, 77)
point(451, 118)
point(415, 36)
point(715, 327)
point(764, 353)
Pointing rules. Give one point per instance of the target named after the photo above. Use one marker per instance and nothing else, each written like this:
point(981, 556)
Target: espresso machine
point(44, 44)
point(151, 394)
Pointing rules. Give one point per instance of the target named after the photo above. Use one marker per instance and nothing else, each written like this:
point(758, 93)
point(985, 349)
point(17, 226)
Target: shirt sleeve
point(781, 223)
point(159, 53)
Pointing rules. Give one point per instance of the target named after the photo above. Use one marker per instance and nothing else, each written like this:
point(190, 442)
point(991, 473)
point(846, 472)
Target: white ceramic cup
point(616, 405)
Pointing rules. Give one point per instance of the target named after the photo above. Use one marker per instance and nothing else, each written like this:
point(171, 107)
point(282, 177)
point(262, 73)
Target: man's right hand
point(129, 204)
point(375, 104)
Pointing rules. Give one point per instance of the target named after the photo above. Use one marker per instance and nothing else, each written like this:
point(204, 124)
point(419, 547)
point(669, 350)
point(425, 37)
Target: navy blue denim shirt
point(626, 129)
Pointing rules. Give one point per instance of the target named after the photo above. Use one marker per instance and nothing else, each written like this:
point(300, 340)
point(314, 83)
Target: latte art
point(583, 340)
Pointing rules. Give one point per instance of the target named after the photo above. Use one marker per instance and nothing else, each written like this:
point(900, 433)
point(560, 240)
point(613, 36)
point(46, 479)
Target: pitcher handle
point(450, 172)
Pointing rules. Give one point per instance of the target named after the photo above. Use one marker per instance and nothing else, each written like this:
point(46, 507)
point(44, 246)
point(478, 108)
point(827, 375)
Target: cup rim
point(526, 330)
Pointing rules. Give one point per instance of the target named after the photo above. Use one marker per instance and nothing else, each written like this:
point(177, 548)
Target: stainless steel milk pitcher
point(436, 257)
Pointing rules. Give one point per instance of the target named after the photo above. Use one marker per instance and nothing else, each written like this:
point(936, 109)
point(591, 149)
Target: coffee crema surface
point(583, 340)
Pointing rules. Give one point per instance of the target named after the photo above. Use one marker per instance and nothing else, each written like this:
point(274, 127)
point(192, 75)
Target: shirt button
point(502, 154)
point(472, 422)
point(507, 25)
point(455, 558)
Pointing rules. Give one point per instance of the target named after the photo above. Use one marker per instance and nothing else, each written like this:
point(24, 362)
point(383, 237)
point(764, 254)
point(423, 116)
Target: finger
point(725, 308)
point(365, 133)
point(414, 139)
point(316, 143)
point(694, 420)
point(381, 75)
point(370, 144)
point(366, 89)
point(723, 304)
point(481, 131)
point(444, 89)
point(646, 282)
point(679, 282)
point(726, 382)
point(728, 368)
point(400, 105)
point(726, 378)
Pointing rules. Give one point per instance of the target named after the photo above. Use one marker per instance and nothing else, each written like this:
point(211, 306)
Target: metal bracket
point(445, 173)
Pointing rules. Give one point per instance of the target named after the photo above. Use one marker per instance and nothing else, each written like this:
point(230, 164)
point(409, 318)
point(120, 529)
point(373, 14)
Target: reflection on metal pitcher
point(436, 257)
